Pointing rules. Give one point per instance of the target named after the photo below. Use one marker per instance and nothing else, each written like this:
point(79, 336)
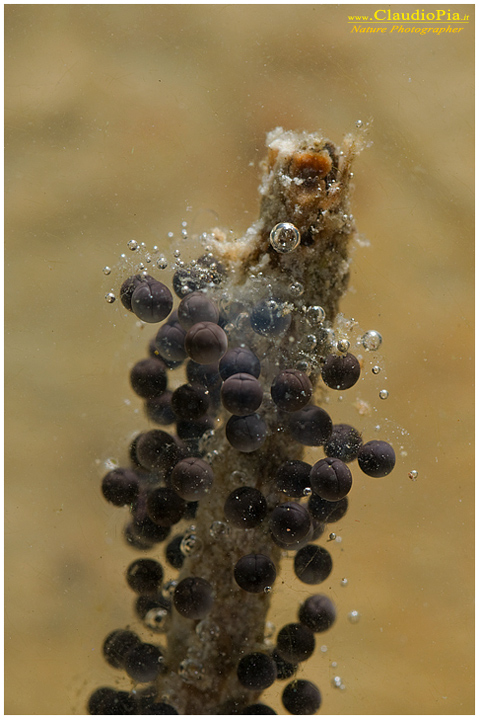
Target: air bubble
point(207, 630)
point(337, 682)
point(376, 369)
point(218, 529)
point(238, 476)
point(332, 536)
point(111, 464)
point(284, 238)
point(191, 669)
point(413, 474)
point(383, 394)
point(162, 262)
point(132, 245)
point(107, 270)
point(307, 492)
point(110, 297)
point(315, 314)
point(157, 619)
point(359, 123)
point(267, 589)
point(303, 366)
point(323, 648)
point(211, 456)
point(343, 345)
point(296, 289)
point(354, 617)
point(371, 340)
point(310, 342)
point(169, 587)
point(190, 543)
point(344, 582)
point(242, 322)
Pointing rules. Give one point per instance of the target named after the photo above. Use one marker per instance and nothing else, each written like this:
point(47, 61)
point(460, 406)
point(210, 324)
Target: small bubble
point(343, 345)
point(132, 245)
point(177, 253)
point(206, 630)
point(359, 123)
point(238, 476)
point(191, 669)
point(307, 492)
point(331, 537)
point(383, 394)
point(337, 682)
point(162, 262)
point(169, 587)
point(344, 582)
point(157, 619)
point(303, 366)
point(267, 589)
point(210, 457)
point(296, 289)
point(107, 270)
point(413, 474)
point(354, 617)
point(111, 463)
point(371, 340)
point(310, 342)
point(123, 256)
point(190, 543)
point(218, 529)
point(110, 297)
point(229, 328)
point(315, 314)
point(284, 238)
point(323, 648)
point(243, 321)
point(338, 539)
point(376, 369)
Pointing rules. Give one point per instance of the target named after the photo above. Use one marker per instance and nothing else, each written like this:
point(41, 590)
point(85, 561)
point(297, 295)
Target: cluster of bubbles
point(235, 367)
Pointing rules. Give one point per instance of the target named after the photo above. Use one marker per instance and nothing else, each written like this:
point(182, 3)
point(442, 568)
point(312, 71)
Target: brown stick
point(305, 182)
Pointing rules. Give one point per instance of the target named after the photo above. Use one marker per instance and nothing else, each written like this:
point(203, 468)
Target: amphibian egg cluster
point(172, 474)
point(233, 382)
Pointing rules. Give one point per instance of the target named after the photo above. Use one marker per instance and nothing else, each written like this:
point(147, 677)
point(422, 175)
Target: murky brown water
point(118, 119)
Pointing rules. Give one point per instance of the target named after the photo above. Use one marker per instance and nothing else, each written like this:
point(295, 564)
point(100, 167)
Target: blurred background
point(124, 121)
